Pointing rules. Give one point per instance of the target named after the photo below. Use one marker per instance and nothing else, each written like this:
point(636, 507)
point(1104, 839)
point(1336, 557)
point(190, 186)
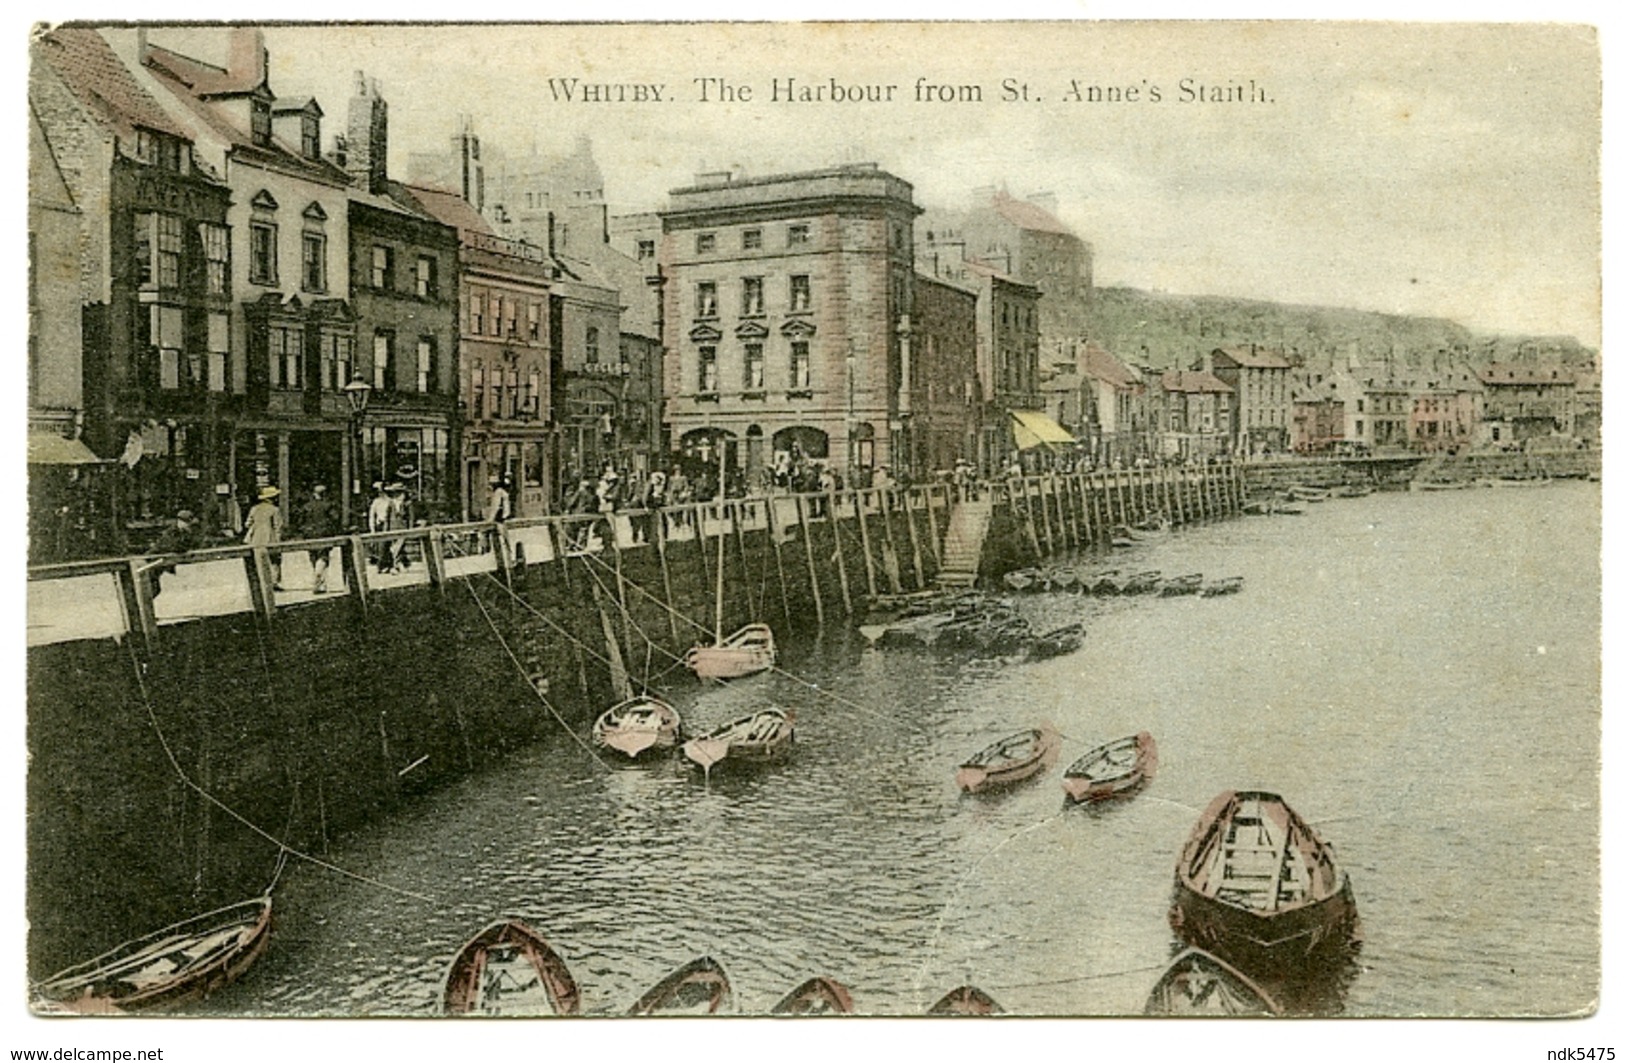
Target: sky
point(1438, 169)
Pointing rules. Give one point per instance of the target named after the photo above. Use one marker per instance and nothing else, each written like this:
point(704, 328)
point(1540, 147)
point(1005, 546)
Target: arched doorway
point(707, 456)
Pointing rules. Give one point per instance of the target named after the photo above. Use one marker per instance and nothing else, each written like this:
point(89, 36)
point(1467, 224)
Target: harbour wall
point(184, 723)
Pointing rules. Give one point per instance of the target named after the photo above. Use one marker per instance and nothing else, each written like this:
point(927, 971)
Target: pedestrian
point(317, 520)
point(378, 521)
point(265, 529)
point(182, 536)
point(499, 507)
point(398, 519)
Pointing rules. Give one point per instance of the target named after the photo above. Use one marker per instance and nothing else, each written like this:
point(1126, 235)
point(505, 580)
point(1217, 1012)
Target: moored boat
point(179, 964)
point(1104, 584)
point(1224, 585)
point(758, 738)
point(1020, 580)
point(507, 969)
point(816, 996)
point(1354, 490)
point(1141, 582)
point(1198, 983)
point(1258, 887)
point(1180, 585)
point(746, 652)
point(1056, 642)
point(1305, 493)
point(636, 726)
point(1010, 760)
point(699, 987)
point(1112, 770)
point(967, 1000)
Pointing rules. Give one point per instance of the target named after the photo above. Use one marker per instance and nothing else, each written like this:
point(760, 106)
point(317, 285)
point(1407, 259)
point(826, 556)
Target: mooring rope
point(521, 668)
point(282, 846)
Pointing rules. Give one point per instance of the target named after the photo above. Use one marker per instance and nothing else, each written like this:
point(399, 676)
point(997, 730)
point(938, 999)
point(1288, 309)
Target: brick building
point(946, 397)
point(1261, 380)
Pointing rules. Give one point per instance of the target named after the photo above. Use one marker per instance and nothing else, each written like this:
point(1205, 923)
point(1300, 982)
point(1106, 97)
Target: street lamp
point(356, 393)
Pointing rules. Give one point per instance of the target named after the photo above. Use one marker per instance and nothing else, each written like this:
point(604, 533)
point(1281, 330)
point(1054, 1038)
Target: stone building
point(1261, 380)
point(946, 395)
point(1191, 415)
point(787, 306)
point(151, 360)
point(1530, 400)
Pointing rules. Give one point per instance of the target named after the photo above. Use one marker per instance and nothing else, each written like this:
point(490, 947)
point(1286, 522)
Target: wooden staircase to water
point(962, 545)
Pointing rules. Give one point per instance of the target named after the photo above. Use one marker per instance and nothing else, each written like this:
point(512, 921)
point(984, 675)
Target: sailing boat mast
point(722, 538)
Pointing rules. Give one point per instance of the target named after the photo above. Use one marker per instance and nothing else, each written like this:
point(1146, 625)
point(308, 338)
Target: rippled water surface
point(1416, 673)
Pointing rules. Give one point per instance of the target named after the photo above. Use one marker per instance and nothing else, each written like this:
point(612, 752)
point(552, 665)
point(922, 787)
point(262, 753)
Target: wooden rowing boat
point(1257, 886)
point(816, 996)
point(699, 987)
point(1179, 586)
point(758, 738)
point(1198, 983)
point(1112, 770)
point(967, 1000)
point(746, 652)
point(1010, 760)
point(1219, 587)
point(636, 726)
point(1056, 642)
point(507, 969)
point(1141, 582)
point(181, 963)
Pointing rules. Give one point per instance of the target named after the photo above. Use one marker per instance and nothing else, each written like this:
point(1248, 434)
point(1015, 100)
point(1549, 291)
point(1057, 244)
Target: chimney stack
point(367, 142)
point(246, 57)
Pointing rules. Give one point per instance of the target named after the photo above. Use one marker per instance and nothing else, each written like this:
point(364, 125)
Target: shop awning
point(1035, 429)
point(48, 448)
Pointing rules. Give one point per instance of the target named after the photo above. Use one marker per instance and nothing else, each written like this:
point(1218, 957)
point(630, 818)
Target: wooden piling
point(833, 519)
point(868, 549)
point(354, 560)
point(778, 556)
point(913, 541)
point(888, 545)
point(1043, 508)
point(434, 556)
point(261, 582)
point(136, 589)
point(931, 522)
point(812, 567)
point(665, 576)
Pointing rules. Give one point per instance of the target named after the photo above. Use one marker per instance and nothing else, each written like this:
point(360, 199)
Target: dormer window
point(310, 136)
point(260, 122)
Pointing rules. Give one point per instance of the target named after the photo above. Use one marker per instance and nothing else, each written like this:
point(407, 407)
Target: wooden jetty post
point(812, 567)
point(863, 531)
point(913, 540)
point(832, 517)
point(665, 575)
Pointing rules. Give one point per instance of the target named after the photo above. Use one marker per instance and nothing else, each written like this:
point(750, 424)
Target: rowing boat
point(1222, 586)
point(967, 1000)
point(816, 996)
point(758, 738)
point(1112, 770)
point(1010, 760)
point(747, 651)
point(507, 969)
point(637, 725)
point(699, 987)
point(1178, 586)
point(1258, 887)
point(181, 963)
point(1198, 983)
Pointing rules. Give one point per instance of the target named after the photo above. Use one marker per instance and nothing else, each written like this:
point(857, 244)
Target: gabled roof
point(1254, 357)
point(449, 208)
point(91, 70)
point(1525, 375)
point(1098, 363)
point(1194, 380)
point(1025, 215)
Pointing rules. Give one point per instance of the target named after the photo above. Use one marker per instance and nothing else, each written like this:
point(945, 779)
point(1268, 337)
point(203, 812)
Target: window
point(705, 243)
point(513, 317)
point(800, 365)
point(533, 393)
point(383, 360)
point(219, 366)
point(476, 312)
point(260, 122)
point(169, 252)
point(751, 239)
point(706, 300)
point(426, 365)
point(216, 241)
point(708, 370)
point(477, 390)
point(167, 335)
point(383, 267)
point(753, 367)
point(310, 136)
point(646, 250)
point(428, 277)
point(592, 345)
point(800, 293)
point(496, 315)
point(287, 367)
point(313, 274)
point(751, 303)
point(533, 321)
point(262, 253)
point(513, 391)
point(798, 234)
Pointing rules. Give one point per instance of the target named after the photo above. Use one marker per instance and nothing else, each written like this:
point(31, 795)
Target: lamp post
point(356, 393)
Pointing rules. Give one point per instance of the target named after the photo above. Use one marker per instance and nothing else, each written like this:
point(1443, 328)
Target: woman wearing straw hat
point(265, 529)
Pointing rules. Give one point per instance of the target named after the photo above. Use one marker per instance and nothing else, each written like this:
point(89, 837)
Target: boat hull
point(699, 987)
point(1197, 983)
point(761, 738)
point(727, 662)
point(1284, 944)
point(108, 983)
point(816, 996)
point(642, 726)
point(967, 1000)
point(978, 778)
point(513, 952)
point(1084, 785)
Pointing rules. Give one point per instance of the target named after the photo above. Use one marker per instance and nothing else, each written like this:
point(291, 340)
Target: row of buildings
point(224, 296)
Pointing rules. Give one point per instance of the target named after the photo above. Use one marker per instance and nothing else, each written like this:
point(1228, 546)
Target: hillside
point(1165, 330)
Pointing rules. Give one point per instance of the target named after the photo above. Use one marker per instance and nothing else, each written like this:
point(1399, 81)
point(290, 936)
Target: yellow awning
point(1035, 429)
point(48, 448)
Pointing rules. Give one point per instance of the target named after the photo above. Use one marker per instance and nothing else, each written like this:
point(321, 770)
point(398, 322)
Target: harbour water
point(1416, 673)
